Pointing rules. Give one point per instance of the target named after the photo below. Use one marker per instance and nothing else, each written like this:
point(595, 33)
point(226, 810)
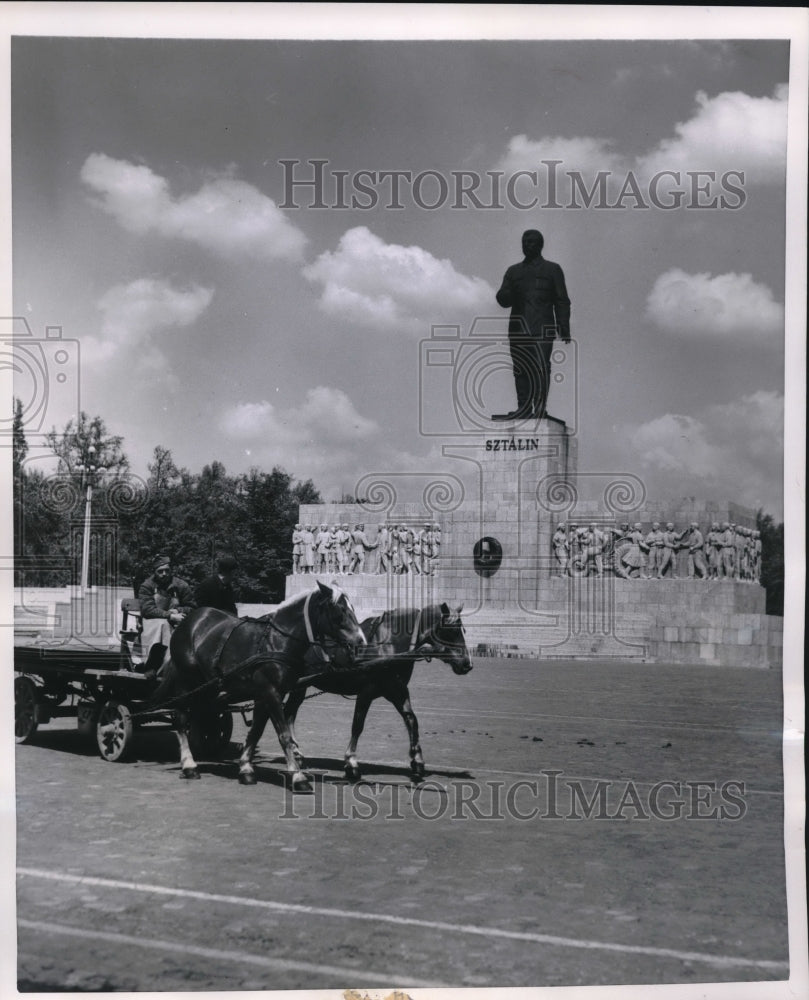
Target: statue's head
point(656, 526)
point(669, 526)
point(532, 243)
point(694, 524)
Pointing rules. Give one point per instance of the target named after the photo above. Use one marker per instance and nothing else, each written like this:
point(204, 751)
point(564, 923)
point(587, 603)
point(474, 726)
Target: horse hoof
point(302, 787)
point(417, 770)
point(191, 773)
point(352, 773)
point(247, 778)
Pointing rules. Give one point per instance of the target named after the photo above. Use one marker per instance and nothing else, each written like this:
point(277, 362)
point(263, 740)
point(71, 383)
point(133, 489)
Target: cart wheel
point(114, 731)
point(209, 733)
point(87, 718)
point(26, 709)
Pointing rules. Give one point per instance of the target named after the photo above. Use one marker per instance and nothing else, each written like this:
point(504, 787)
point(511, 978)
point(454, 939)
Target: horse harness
point(430, 638)
point(220, 677)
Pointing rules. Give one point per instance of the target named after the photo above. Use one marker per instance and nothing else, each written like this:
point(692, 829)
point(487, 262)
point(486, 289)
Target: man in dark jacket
point(165, 600)
point(535, 292)
point(216, 591)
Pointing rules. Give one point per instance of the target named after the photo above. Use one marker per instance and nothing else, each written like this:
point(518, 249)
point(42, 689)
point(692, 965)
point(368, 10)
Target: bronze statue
point(535, 292)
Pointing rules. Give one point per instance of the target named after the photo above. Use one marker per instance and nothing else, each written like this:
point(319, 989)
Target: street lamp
point(90, 474)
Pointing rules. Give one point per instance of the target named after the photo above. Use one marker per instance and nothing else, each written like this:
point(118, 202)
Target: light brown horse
point(396, 640)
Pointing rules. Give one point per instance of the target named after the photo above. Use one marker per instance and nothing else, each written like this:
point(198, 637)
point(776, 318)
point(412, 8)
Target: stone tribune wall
point(528, 483)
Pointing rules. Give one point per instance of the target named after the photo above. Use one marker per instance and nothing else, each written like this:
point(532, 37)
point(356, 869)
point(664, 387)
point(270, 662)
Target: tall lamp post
point(90, 474)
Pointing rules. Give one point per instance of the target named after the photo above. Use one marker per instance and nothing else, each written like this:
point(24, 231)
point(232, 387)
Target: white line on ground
point(345, 973)
point(719, 961)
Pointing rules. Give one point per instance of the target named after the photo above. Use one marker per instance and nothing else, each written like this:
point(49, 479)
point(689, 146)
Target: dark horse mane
point(257, 660)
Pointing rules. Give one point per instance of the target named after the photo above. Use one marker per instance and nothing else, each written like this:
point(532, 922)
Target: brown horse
point(396, 640)
point(216, 657)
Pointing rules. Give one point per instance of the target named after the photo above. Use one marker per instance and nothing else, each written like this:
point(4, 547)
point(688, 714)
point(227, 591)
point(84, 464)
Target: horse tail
point(166, 689)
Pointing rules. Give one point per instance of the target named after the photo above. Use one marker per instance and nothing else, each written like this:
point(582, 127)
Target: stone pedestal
point(497, 542)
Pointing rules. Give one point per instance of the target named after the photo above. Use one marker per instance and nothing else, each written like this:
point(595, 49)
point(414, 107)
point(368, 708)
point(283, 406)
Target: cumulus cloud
point(390, 287)
point(324, 439)
point(326, 418)
point(582, 153)
point(327, 440)
point(133, 313)
point(731, 451)
point(732, 131)
point(729, 307)
point(226, 216)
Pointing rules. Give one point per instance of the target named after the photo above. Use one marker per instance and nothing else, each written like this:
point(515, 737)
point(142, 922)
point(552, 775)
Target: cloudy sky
point(226, 313)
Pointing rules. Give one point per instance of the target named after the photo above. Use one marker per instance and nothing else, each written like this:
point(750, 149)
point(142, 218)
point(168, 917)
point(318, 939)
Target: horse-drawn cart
point(107, 691)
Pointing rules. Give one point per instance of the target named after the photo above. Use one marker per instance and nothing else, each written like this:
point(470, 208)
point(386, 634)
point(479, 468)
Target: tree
point(270, 509)
point(53, 505)
point(72, 446)
point(162, 470)
point(193, 518)
point(772, 562)
point(18, 442)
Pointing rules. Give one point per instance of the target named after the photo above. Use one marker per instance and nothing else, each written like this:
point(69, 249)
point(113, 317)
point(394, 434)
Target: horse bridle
point(310, 632)
point(431, 637)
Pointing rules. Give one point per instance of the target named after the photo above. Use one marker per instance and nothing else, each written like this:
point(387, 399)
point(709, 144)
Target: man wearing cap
point(216, 591)
point(164, 602)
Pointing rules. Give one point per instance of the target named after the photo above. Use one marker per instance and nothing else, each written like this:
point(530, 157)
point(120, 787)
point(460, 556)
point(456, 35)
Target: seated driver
point(165, 600)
